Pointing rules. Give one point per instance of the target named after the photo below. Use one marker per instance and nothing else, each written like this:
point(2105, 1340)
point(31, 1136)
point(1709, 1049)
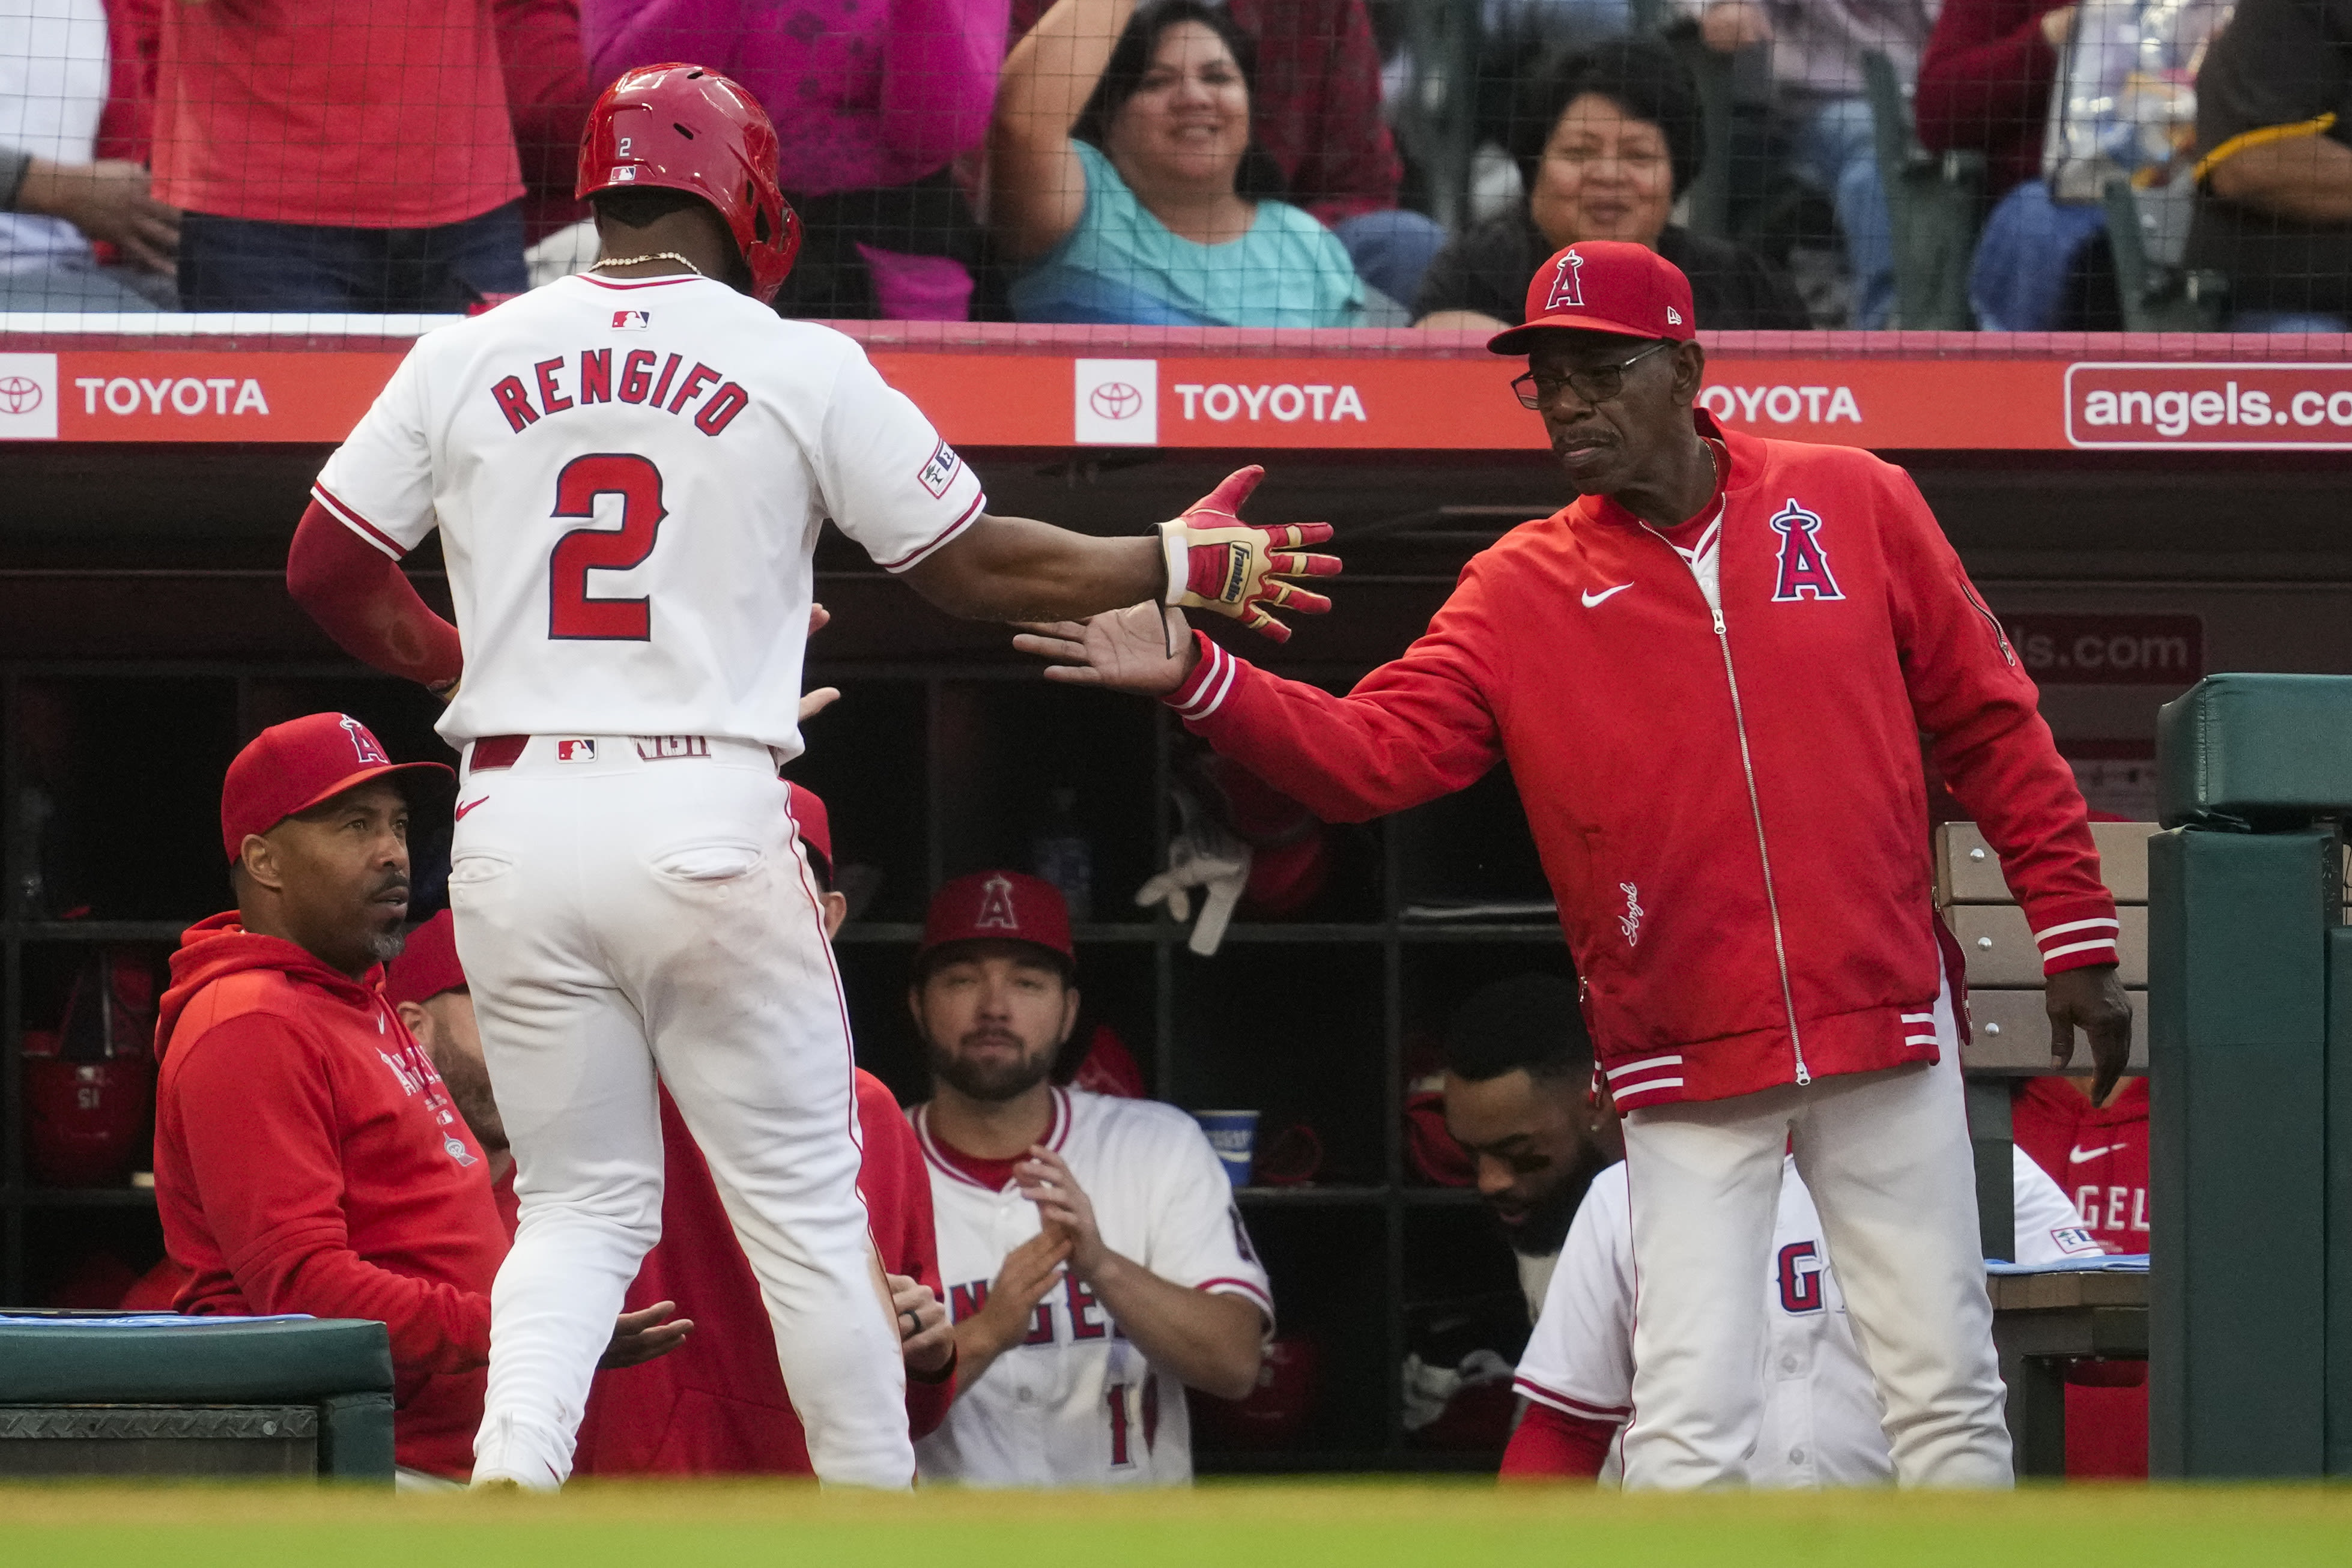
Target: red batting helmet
point(683, 128)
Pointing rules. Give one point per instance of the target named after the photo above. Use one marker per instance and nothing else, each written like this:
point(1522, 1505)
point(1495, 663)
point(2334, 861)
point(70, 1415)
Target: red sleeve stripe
point(357, 524)
point(2106, 944)
point(1561, 1402)
point(1249, 1289)
point(962, 523)
point(2044, 935)
point(1212, 682)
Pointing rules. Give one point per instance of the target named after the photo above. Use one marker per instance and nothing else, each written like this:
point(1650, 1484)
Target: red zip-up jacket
point(308, 1160)
point(1727, 806)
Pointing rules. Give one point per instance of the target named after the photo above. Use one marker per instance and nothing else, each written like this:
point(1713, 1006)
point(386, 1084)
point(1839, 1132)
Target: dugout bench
point(118, 1394)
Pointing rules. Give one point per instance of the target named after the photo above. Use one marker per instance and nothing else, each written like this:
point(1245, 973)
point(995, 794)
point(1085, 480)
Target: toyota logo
point(22, 394)
point(1112, 400)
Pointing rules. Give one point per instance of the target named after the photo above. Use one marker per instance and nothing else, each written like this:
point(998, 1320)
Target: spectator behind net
point(872, 104)
point(2274, 126)
point(1985, 86)
point(67, 79)
point(338, 157)
point(1606, 139)
point(1315, 108)
point(1816, 48)
point(1122, 171)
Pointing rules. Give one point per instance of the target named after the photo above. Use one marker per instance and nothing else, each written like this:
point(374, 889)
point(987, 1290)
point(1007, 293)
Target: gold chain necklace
point(657, 255)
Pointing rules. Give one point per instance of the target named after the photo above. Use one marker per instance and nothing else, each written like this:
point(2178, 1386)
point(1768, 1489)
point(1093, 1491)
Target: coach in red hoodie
point(1709, 675)
point(308, 1158)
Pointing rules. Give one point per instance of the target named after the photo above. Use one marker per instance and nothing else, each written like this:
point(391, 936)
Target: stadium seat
point(2157, 298)
point(1932, 203)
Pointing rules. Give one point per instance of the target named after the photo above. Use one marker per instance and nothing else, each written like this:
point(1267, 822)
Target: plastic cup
point(1233, 1135)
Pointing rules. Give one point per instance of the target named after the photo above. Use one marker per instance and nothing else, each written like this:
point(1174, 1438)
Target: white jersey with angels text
point(1821, 1415)
point(629, 478)
point(1075, 1404)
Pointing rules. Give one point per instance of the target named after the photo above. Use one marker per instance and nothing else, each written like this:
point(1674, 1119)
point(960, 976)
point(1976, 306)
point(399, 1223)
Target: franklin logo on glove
point(1216, 562)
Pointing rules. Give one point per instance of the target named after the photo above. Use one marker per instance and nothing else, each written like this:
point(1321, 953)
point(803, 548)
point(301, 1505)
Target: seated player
point(1821, 1414)
point(308, 1158)
point(2099, 1152)
point(1096, 1263)
point(719, 1406)
point(1519, 1099)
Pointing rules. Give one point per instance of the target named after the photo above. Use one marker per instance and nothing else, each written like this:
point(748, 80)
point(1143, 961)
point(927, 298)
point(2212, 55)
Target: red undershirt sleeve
point(361, 598)
point(1552, 1443)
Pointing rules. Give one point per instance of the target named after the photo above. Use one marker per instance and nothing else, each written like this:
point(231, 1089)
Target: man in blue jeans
point(240, 263)
point(337, 157)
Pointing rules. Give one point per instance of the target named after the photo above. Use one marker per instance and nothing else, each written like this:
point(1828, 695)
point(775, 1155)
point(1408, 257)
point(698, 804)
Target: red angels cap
point(815, 825)
point(999, 905)
point(1604, 286)
point(290, 768)
point(429, 965)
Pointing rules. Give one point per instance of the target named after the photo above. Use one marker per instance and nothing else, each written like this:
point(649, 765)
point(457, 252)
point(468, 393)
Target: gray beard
point(383, 946)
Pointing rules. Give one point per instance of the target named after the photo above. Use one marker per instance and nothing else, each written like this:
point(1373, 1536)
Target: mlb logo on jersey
point(575, 751)
point(937, 473)
point(631, 320)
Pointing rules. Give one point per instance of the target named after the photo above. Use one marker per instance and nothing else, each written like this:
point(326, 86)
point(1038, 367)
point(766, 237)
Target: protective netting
point(2152, 165)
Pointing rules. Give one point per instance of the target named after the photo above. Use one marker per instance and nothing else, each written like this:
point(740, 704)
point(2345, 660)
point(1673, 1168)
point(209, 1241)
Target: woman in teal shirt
point(1122, 174)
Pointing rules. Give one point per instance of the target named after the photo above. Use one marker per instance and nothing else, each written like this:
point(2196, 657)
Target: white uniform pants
point(616, 915)
point(1886, 1157)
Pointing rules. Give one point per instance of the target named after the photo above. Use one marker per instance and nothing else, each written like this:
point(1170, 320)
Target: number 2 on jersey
point(571, 613)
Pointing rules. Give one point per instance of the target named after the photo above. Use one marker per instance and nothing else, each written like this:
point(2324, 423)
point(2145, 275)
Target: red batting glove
point(1216, 562)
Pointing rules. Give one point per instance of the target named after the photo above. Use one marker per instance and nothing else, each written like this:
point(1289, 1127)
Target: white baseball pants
point(624, 911)
point(1886, 1157)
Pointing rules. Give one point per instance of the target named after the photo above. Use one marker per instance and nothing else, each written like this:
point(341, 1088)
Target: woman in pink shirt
point(873, 101)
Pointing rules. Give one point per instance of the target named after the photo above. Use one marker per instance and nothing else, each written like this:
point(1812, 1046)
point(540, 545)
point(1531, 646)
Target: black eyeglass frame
point(1531, 394)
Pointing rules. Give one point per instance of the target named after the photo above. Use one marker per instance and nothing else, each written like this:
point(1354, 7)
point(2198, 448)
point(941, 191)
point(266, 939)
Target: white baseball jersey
point(1075, 1404)
point(1821, 1415)
point(629, 478)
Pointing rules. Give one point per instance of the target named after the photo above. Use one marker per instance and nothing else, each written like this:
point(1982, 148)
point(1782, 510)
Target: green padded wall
point(2238, 1041)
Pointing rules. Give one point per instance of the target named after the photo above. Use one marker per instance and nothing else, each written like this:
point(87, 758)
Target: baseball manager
point(1709, 675)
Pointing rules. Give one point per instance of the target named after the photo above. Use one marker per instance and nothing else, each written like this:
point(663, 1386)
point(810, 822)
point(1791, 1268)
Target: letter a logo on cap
point(996, 907)
point(362, 742)
point(1567, 283)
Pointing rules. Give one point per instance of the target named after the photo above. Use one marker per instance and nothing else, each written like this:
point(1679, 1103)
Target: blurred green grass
point(1370, 1523)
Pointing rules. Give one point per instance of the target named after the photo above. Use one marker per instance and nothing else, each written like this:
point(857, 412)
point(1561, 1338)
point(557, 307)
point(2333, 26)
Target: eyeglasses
point(1595, 386)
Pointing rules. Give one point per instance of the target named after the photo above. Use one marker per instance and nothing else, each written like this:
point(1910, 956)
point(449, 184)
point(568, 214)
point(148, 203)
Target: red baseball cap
point(815, 825)
point(290, 768)
point(427, 966)
point(1604, 286)
point(999, 905)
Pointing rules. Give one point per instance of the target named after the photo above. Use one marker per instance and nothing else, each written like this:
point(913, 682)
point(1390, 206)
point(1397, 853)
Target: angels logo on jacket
point(364, 743)
point(996, 907)
point(1567, 283)
point(1804, 563)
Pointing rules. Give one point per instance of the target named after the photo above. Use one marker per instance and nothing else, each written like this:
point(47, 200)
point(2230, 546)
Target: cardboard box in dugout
point(2260, 750)
point(2000, 950)
point(1969, 872)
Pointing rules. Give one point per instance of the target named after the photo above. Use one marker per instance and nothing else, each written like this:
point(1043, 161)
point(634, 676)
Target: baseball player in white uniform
point(1821, 1422)
point(1094, 1258)
point(629, 470)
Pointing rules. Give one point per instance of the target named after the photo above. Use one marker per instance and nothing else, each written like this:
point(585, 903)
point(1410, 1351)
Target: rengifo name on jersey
point(629, 478)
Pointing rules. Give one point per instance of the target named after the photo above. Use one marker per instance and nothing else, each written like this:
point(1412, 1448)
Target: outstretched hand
point(1216, 562)
point(1121, 650)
